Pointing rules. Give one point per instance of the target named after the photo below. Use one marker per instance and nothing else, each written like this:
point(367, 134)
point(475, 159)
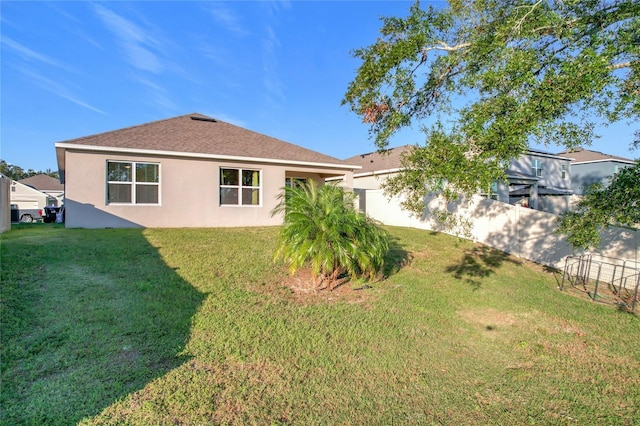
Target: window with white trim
point(130, 182)
point(491, 192)
point(239, 187)
point(536, 166)
point(564, 171)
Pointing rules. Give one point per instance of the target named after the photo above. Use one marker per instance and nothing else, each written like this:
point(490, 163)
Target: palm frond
point(322, 229)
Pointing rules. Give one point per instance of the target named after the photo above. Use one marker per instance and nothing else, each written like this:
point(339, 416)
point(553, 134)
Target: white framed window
point(536, 166)
point(131, 182)
point(564, 171)
point(491, 192)
point(240, 187)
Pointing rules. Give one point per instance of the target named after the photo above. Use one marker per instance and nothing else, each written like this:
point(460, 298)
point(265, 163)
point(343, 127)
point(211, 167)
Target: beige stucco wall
point(189, 193)
point(369, 181)
point(5, 209)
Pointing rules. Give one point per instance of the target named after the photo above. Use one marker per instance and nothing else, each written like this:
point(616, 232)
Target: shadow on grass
point(478, 263)
point(555, 272)
point(396, 257)
point(89, 316)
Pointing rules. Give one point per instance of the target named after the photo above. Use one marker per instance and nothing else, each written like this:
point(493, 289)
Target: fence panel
point(517, 230)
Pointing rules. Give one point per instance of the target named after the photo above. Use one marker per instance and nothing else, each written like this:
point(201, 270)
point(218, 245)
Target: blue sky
point(72, 69)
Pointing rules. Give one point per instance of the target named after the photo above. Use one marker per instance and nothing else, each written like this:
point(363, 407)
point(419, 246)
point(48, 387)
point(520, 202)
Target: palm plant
point(322, 229)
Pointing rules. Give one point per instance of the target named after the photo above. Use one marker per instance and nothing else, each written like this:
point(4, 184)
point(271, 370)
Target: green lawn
point(196, 326)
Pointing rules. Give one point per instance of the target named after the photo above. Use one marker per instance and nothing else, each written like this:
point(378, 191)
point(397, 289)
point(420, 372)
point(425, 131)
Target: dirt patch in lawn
point(490, 321)
point(303, 289)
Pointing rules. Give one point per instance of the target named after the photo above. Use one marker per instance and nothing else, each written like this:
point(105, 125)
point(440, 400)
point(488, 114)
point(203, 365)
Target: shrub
point(323, 229)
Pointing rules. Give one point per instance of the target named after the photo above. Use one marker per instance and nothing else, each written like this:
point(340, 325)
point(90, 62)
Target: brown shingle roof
point(581, 155)
point(377, 161)
point(198, 134)
point(43, 182)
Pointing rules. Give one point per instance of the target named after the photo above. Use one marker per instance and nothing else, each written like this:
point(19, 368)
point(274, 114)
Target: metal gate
point(604, 279)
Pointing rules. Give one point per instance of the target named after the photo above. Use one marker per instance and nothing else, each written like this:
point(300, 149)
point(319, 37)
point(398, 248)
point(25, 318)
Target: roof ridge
point(272, 138)
point(591, 151)
point(384, 151)
point(135, 126)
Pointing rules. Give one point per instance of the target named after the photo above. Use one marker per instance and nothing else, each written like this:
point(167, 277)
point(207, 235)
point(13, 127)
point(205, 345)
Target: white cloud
point(272, 82)
point(227, 19)
point(274, 8)
point(158, 96)
point(57, 89)
point(32, 55)
point(140, 46)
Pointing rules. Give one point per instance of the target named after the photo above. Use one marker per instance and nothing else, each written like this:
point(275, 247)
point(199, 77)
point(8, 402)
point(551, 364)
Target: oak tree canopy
point(486, 79)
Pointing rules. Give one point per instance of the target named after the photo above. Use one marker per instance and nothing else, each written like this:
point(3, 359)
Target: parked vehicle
point(25, 215)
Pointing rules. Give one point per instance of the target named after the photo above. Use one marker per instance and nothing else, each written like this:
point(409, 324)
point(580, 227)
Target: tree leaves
point(488, 78)
point(17, 173)
point(616, 204)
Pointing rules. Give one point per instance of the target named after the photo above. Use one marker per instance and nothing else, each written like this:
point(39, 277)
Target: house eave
point(134, 151)
point(604, 160)
point(515, 178)
point(534, 153)
point(376, 172)
point(60, 157)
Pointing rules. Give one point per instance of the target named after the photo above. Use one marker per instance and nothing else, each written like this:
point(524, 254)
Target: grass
point(196, 326)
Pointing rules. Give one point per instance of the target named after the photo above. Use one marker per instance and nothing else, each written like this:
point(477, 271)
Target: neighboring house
point(375, 167)
point(589, 167)
point(27, 202)
point(539, 180)
point(187, 171)
point(47, 184)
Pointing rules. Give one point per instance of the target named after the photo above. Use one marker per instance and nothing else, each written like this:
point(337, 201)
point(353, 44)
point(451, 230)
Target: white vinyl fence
point(520, 231)
point(5, 204)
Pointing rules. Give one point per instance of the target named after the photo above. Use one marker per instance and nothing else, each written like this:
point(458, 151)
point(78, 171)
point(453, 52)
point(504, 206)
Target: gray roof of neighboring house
point(43, 182)
point(201, 135)
point(581, 155)
point(390, 159)
point(378, 161)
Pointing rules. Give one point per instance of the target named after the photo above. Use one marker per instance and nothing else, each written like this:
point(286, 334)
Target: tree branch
point(620, 65)
point(444, 46)
point(518, 26)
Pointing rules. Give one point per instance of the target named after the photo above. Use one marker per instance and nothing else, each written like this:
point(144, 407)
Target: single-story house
point(47, 184)
point(589, 167)
point(537, 179)
point(187, 171)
